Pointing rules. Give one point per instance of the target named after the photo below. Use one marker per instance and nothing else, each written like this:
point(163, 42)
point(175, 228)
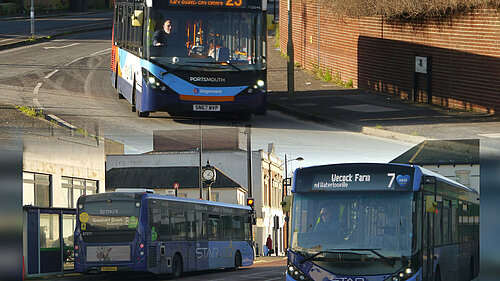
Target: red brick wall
point(380, 56)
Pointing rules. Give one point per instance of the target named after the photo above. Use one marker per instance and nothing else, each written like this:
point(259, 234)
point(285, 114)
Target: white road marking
point(52, 73)
point(35, 91)
point(75, 60)
point(37, 103)
point(491, 136)
point(366, 108)
point(61, 47)
point(37, 87)
point(62, 121)
point(102, 51)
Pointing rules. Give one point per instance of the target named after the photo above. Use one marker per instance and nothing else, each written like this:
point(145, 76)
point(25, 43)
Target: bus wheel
point(142, 113)
point(177, 266)
point(237, 260)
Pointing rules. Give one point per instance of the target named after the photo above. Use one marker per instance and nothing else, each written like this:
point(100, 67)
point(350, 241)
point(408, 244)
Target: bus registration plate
point(206, 107)
point(109, 268)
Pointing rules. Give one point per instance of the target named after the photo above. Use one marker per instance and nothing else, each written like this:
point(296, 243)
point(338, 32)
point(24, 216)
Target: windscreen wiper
point(218, 62)
point(384, 258)
point(333, 251)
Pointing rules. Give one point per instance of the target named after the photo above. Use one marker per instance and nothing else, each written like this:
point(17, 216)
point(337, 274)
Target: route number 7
point(392, 175)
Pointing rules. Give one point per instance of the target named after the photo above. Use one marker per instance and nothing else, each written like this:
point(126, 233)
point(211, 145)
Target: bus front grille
point(152, 257)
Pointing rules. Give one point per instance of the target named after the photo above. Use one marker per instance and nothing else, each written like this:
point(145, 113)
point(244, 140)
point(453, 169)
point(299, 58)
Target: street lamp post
point(209, 175)
point(289, 52)
point(32, 18)
point(285, 192)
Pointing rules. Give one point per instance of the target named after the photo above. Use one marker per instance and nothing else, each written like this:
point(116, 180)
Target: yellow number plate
point(108, 268)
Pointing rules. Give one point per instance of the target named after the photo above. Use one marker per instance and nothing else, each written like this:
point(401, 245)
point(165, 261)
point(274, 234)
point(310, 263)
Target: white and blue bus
point(376, 222)
point(213, 64)
point(141, 231)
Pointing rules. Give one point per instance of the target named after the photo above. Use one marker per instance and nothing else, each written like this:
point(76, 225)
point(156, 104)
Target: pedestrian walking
point(269, 245)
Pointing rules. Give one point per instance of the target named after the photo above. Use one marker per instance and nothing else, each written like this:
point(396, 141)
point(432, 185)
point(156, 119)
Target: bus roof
point(445, 179)
point(197, 201)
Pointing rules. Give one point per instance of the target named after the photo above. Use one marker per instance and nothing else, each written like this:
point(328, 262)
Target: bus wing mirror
point(137, 18)
point(430, 204)
point(287, 203)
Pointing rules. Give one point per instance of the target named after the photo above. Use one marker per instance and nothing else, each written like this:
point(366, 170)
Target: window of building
point(36, 189)
point(214, 196)
point(463, 177)
point(73, 188)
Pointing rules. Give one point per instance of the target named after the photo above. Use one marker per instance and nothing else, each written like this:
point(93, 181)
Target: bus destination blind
point(341, 179)
point(210, 3)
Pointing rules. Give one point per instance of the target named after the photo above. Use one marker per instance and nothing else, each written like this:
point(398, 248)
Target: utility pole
point(32, 16)
point(200, 148)
point(289, 51)
point(248, 132)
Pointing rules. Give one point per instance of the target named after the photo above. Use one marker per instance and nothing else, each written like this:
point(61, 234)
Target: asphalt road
point(268, 268)
point(69, 78)
point(13, 30)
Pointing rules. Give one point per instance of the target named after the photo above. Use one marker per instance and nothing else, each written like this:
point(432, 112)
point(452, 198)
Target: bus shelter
point(48, 240)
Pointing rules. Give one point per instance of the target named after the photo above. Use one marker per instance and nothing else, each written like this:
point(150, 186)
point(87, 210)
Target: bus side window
point(201, 226)
point(225, 227)
point(164, 229)
point(191, 225)
point(213, 225)
point(237, 230)
point(178, 221)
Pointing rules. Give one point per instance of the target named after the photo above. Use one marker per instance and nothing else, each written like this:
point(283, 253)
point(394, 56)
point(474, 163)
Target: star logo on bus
point(196, 90)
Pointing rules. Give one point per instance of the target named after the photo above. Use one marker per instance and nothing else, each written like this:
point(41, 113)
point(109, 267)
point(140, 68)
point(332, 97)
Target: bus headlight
point(260, 83)
point(153, 81)
point(296, 274)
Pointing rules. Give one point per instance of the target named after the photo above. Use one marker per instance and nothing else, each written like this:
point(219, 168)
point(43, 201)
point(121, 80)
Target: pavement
point(21, 35)
point(370, 113)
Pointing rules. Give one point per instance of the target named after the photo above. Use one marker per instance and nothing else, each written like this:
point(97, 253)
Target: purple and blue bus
point(214, 63)
point(377, 222)
point(142, 231)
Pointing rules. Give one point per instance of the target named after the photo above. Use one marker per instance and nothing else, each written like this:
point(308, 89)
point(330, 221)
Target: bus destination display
point(210, 3)
point(340, 179)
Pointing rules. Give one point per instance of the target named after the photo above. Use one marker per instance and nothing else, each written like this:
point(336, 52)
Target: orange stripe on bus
point(198, 98)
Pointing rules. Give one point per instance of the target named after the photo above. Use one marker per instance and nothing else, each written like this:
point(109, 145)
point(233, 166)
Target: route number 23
point(234, 3)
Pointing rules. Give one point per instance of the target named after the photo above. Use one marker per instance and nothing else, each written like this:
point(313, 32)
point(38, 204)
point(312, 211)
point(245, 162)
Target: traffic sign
point(176, 185)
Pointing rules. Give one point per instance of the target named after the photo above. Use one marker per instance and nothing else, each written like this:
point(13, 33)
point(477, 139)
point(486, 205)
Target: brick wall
point(378, 55)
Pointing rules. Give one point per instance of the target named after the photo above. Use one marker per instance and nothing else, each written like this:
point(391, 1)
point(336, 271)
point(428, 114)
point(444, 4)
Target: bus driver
point(162, 36)
point(327, 223)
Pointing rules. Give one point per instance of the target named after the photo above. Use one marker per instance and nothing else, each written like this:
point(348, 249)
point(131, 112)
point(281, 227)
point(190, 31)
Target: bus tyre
point(237, 260)
point(177, 266)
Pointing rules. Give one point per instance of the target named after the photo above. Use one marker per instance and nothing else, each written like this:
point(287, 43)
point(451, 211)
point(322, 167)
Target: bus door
point(428, 240)
point(191, 241)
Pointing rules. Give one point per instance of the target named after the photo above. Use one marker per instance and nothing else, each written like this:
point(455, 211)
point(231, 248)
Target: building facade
point(455, 159)
point(56, 171)
point(266, 182)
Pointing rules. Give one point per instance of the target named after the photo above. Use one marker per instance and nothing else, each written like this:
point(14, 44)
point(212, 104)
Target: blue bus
point(214, 63)
point(142, 231)
point(375, 222)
